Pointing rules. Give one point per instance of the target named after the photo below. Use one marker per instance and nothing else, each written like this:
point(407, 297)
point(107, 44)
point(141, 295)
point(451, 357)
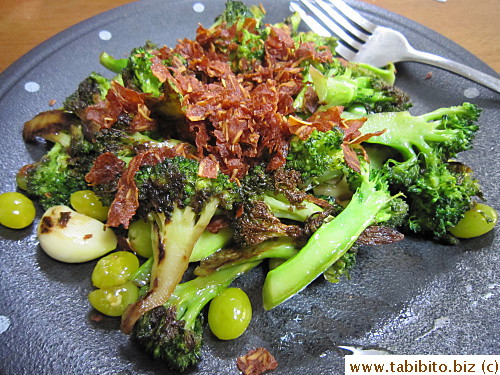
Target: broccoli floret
point(272, 206)
point(357, 88)
point(319, 41)
point(179, 204)
point(342, 266)
point(249, 36)
point(370, 204)
point(234, 11)
point(438, 193)
point(437, 136)
point(319, 158)
point(124, 145)
point(55, 177)
point(280, 191)
point(258, 223)
point(61, 171)
point(439, 199)
point(89, 92)
point(138, 74)
point(173, 332)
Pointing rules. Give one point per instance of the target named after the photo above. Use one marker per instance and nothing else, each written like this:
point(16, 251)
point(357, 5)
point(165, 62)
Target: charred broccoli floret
point(273, 205)
point(89, 92)
point(54, 178)
point(173, 332)
point(179, 204)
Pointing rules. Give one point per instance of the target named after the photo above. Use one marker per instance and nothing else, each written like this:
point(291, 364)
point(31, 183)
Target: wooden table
point(474, 25)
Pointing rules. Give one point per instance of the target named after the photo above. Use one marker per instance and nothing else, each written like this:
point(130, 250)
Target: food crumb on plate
point(256, 361)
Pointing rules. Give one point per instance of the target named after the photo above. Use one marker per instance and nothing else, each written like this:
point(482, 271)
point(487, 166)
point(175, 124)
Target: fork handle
point(460, 69)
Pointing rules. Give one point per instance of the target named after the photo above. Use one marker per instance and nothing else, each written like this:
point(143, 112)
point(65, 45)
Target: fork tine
point(354, 15)
point(310, 21)
point(345, 52)
point(342, 21)
point(345, 37)
point(315, 26)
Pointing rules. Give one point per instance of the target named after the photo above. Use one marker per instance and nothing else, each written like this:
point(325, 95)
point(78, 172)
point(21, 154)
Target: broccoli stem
point(283, 209)
point(276, 248)
point(142, 276)
point(326, 246)
point(333, 90)
point(175, 239)
point(110, 63)
point(190, 297)
point(173, 332)
point(209, 243)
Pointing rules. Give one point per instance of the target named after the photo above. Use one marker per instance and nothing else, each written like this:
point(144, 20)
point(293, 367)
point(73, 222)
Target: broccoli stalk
point(110, 63)
point(174, 240)
point(209, 243)
point(179, 204)
point(369, 205)
point(173, 332)
point(283, 209)
point(276, 248)
point(438, 191)
point(173, 244)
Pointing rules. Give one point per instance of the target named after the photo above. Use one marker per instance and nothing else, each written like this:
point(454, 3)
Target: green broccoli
point(357, 87)
point(110, 63)
point(369, 205)
point(249, 37)
point(173, 332)
point(138, 74)
point(319, 41)
point(179, 204)
point(209, 243)
point(54, 178)
point(273, 206)
point(342, 266)
point(319, 158)
point(437, 191)
point(62, 170)
point(237, 11)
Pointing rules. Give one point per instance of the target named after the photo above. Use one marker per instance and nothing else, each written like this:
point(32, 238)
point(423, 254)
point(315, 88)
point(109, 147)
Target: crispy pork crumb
point(256, 362)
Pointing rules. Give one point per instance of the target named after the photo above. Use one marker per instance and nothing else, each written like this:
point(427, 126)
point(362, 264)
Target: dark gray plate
point(414, 297)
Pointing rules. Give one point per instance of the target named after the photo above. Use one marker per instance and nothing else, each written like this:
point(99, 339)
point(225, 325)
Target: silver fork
point(365, 42)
